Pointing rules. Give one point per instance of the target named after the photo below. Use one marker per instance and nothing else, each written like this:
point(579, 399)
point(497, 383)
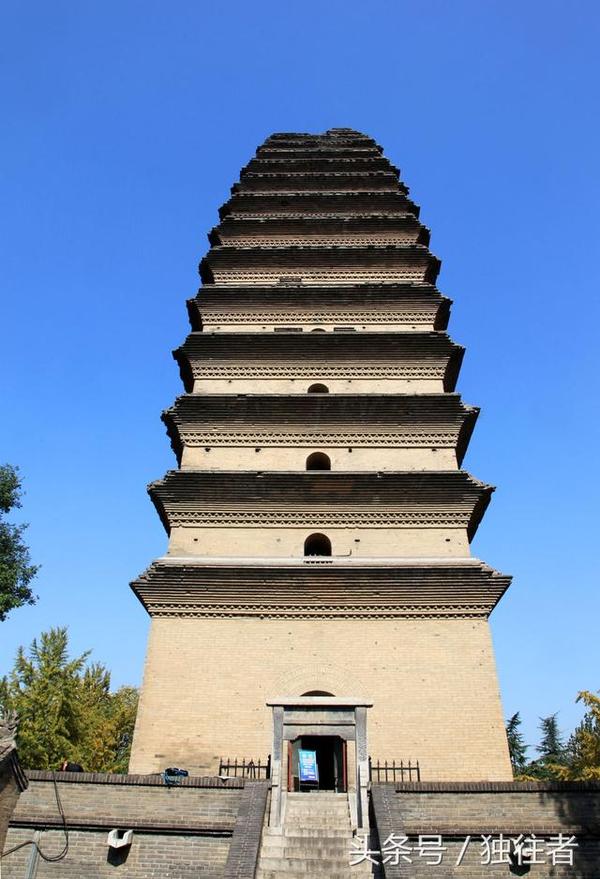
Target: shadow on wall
point(577, 805)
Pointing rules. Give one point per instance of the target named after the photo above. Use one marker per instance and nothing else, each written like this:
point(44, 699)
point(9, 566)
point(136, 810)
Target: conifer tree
point(551, 749)
point(516, 744)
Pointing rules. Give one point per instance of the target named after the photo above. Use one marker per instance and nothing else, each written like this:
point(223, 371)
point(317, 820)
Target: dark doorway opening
point(317, 544)
point(318, 461)
point(331, 762)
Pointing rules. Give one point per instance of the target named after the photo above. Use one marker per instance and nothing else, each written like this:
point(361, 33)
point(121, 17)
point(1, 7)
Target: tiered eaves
point(320, 230)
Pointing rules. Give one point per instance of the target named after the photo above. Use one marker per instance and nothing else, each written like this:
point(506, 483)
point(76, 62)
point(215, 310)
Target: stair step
point(303, 874)
point(316, 813)
point(299, 862)
point(336, 843)
point(316, 840)
point(318, 803)
point(334, 805)
point(317, 809)
point(314, 821)
point(317, 832)
point(317, 873)
point(314, 853)
point(338, 814)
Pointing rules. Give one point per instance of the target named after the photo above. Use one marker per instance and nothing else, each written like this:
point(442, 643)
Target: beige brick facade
point(432, 683)
point(346, 256)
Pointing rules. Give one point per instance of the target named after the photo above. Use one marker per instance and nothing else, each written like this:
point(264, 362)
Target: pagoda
point(318, 577)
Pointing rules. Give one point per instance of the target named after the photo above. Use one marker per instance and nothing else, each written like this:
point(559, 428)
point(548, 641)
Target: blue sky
point(126, 123)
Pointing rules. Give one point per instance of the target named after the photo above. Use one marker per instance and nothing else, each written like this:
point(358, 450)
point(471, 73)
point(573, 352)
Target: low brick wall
point(12, 783)
point(181, 832)
point(464, 813)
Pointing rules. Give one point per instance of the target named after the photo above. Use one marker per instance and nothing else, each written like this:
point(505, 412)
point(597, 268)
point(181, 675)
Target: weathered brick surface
point(12, 783)
point(459, 811)
point(440, 671)
point(152, 856)
point(9, 794)
point(183, 806)
point(179, 832)
point(245, 844)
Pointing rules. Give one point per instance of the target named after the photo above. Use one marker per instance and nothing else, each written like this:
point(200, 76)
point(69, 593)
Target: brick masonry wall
point(152, 856)
point(179, 832)
point(459, 811)
point(432, 683)
point(9, 794)
point(180, 806)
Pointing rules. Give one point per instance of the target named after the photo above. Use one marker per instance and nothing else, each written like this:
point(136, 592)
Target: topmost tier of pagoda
point(339, 174)
point(324, 209)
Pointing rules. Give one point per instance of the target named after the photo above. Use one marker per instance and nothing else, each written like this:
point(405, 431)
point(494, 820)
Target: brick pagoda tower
point(319, 522)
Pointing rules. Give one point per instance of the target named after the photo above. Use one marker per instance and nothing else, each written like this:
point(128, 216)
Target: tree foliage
point(16, 570)
point(578, 760)
point(66, 708)
point(583, 748)
point(551, 749)
point(516, 744)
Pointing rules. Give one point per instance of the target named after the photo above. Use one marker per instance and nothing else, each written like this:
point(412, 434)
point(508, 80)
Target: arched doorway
point(318, 461)
point(317, 544)
point(318, 388)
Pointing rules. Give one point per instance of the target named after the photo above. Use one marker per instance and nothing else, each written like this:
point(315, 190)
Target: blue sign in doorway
point(308, 771)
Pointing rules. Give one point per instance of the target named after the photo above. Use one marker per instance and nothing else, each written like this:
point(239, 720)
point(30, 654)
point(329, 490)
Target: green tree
point(551, 749)
point(66, 708)
point(583, 748)
point(43, 689)
point(109, 719)
point(16, 570)
point(516, 744)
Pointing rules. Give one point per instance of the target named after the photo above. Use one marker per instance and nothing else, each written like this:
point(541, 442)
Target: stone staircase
point(316, 840)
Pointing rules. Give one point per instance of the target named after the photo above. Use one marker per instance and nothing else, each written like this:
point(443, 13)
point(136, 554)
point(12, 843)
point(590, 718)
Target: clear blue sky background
point(124, 125)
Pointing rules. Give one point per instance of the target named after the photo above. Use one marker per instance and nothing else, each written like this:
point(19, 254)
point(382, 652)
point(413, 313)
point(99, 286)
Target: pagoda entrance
point(332, 763)
point(332, 733)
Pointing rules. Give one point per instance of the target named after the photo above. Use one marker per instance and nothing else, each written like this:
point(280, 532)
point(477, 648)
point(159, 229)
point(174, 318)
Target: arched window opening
point(317, 693)
point(318, 389)
point(318, 461)
point(317, 544)
point(319, 330)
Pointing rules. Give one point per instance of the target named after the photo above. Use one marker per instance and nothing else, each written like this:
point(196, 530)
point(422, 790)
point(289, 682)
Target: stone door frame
point(295, 716)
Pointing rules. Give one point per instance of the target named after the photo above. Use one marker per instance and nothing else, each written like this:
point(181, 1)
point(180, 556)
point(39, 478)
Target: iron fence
point(252, 769)
point(394, 771)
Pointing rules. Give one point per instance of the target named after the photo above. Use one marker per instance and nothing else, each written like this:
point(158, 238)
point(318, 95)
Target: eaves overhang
point(201, 351)
point(315, 500)
point(330, 201)
point(224, 418)
point(383, 297)
point(443, 589)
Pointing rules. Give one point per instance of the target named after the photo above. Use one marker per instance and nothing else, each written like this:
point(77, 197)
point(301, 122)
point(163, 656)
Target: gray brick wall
point(12, 783)
point(245, 844)
point(179, 832)
point(458, 811)
point(152, 856)
point(185, 806)
point(9, 793)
